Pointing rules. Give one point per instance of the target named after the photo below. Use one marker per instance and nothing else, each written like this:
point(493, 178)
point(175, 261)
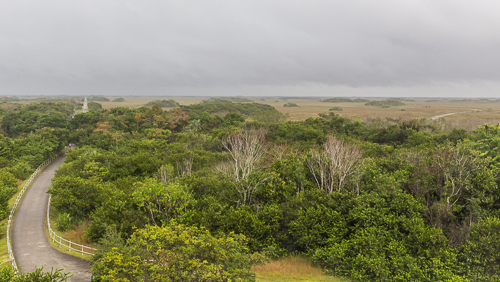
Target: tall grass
point(291, 269)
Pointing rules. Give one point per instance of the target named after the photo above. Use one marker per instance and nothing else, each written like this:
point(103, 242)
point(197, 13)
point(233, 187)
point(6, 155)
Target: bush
point(63, 222)
point(7, 274)
point(288, 105)
point(178, 253)
point(163, 103)
point(118, 100)
point(385, 103)
point(99, 98)
point(338, 109)
point(481, 253)
point(94, 106)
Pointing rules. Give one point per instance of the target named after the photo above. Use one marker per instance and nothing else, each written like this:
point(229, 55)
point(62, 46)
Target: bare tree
point(336, 163)
point(165, 173)
point(458, 168)
point(185, 167)
point(246, 149)
point(277, 151)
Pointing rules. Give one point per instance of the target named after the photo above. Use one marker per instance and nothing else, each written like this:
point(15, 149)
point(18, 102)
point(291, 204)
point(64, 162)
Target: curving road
point(29, 241)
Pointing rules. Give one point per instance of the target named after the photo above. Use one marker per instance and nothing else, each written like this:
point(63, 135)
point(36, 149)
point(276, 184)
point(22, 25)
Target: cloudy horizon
point(245, 48)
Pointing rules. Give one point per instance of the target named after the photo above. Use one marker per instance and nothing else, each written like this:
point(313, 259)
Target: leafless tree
point(277, 151)
point(185, 167)
point(245, 149)
point(165, 173)
point(336, 163)
point(458, 168)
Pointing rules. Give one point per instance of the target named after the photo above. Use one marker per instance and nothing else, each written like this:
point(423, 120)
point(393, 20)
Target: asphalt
point(29, 241)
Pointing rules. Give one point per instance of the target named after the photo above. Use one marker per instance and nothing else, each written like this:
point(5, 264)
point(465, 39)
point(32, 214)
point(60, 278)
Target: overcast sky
point(318, 48)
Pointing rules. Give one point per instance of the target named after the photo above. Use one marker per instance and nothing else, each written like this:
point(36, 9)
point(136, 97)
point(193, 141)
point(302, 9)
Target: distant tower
point(85, 107)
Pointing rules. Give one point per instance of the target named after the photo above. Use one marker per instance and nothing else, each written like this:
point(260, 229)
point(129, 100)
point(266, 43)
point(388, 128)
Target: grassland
point(292, 269)
point(468, 112)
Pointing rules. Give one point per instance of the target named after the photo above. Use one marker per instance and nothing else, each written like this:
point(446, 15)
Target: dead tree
point(185, 167)
point(245, 149)
point(336, 163)
point(458, 168)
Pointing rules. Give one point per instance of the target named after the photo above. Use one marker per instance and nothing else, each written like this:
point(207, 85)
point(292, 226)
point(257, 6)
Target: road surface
point(29, 241)
point(85, 106)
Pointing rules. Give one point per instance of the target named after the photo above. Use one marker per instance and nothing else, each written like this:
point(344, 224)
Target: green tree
point(162, 202)
point(178, 253)
point(481, 253)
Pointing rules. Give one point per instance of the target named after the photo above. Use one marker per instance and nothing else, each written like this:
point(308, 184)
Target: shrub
point(178, 253)
point(385, 103)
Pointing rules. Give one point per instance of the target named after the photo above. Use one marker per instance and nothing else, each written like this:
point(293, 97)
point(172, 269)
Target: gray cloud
point(153, 47)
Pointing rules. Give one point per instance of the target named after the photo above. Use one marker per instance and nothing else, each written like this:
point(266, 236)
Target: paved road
point(29, 241)
point(85, 107)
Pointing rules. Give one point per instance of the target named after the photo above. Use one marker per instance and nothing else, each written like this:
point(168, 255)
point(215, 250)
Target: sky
point(391, 48)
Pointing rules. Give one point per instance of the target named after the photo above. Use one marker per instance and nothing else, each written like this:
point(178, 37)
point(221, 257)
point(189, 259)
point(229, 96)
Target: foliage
point(7, 274)
point(290, 105)
point(256, 111)
point(336, 109)
point(480, 256)
point(99, 99)
point(178, 253)
point(8, 188)
point(118, 100)
point(94, 106)
point(385, 103)
point(163, 103)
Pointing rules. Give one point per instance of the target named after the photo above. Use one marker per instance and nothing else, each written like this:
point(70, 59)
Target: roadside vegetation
point(228, 190)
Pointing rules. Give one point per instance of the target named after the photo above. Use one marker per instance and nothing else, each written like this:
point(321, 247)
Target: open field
point(468, 113)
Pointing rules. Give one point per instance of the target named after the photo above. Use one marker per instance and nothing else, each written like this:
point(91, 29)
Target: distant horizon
point(250, 96)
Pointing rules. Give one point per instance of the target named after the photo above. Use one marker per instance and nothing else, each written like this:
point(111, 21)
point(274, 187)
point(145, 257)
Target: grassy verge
point(292, 269)
point(76, 235)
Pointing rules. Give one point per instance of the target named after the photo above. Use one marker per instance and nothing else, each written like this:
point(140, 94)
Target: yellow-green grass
point(292, 269)
point(62, 248)
point(75, 235)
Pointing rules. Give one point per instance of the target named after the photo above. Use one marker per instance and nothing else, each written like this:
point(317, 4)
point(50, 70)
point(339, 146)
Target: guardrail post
point(69, 249)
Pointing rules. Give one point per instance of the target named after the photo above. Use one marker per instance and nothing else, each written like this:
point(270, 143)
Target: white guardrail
point(66, 243)
point(18, 200)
